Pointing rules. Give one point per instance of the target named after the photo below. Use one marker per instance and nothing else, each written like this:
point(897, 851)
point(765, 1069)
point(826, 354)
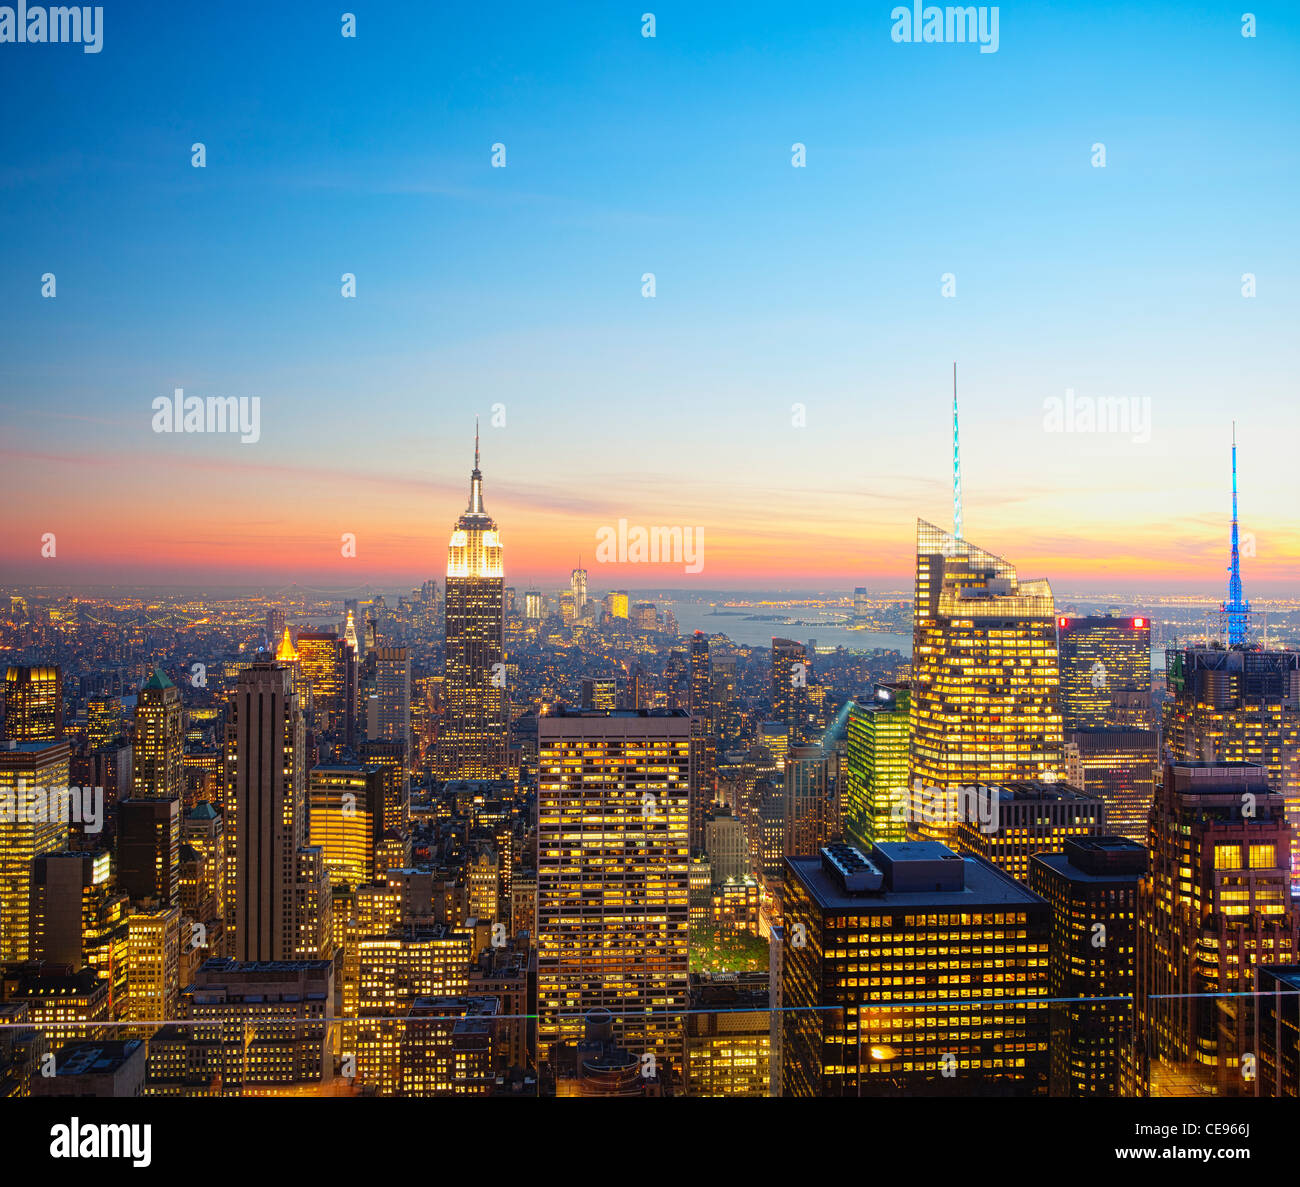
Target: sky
point(786, 390)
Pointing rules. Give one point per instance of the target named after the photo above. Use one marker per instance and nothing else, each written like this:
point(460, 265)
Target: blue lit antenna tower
point(957, 467)
point(1236, 609)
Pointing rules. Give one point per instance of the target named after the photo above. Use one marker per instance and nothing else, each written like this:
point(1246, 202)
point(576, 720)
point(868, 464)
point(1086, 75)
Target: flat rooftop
point(985, 885)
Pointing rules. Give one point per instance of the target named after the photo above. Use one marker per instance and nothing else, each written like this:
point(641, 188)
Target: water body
point(697, 614)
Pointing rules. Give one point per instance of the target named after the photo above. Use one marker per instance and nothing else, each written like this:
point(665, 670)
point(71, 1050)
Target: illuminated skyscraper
point(812, 811)
point(866, 1015)
point(578, 587)
point(392, 686)
point(1215, 904)
point(984, 673)
point(875, 797)
point(347, 820)
point(29, 827)
point(157, 747)
point(1120, 766)
point(33, 704)
point(286, 652)
point(612, 877)
point(1092, 889)
point(700, 674)
point(473, 740)
point(1101, 657)
point(327, 666)
point(1237, 706)
point(534, 605)
point(790, 687)
point(1011, 822)
point(278, 889)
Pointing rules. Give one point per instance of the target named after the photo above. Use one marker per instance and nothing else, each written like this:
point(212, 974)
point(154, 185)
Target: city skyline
point(717, 552)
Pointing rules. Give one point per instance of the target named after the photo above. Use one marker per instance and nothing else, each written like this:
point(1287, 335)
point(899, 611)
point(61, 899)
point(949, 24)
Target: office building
point(984, 675)
point(148, 850)
point(326, 666)
point(1277, 1027)
point(32, 822)
point(347, 820)
point(1215, 903)
point(612, 877)
point(812, 811)
point(911, 972)
point(1091, 887)
point(1008, 823)
point(277, 889)
point(1102, 656)
point(1120, 767)
point(1234, 706)
point(33, 704)
point(157, 746)
point(878, 733)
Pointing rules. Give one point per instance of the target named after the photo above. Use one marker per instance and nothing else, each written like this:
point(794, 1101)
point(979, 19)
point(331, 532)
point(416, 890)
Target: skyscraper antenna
point(956, 461)
point(1236, 610)
point(476, 443)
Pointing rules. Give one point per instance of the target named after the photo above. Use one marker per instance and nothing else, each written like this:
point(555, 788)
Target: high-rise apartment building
point(612, 877)
point(1091, 887)
point(984, 675)
point(1102, 656)
point(474, 735)
point(700, 674)
point(911, 971)
point(877, 733)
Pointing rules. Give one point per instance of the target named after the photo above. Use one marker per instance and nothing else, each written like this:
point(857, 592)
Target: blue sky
point(670, 155)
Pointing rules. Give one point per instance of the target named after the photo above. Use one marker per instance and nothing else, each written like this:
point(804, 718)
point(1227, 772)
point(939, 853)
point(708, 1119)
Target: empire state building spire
point(475, 481)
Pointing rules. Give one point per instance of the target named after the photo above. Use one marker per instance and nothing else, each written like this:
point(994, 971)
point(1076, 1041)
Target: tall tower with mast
point(956, 461)
point(473, 742)
point(1236, 610)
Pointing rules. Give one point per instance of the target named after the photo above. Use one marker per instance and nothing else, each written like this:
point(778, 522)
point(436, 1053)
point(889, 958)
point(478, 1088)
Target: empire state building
point(473, 740)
